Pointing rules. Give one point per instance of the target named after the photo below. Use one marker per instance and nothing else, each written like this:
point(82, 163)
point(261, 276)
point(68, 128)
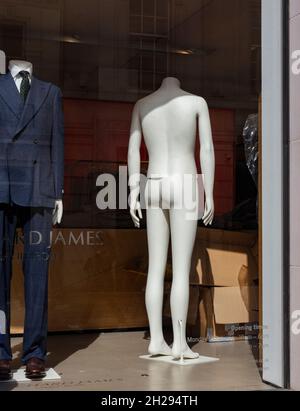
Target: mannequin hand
point(136, 213)
point(209, 212)
point(58, 212)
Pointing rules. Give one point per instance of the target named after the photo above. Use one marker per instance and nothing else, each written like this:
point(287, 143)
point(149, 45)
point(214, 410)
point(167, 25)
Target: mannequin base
point(19, 376)
point(170, 360)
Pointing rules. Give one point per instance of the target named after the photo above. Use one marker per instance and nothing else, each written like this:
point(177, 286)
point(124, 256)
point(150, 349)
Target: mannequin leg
point(158, 244)
point(37, 226)
point(183, 233)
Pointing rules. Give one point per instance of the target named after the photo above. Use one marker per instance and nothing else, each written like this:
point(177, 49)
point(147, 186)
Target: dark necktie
point(25, 85)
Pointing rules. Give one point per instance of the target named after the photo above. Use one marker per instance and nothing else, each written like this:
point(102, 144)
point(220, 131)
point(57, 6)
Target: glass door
point(274, 189)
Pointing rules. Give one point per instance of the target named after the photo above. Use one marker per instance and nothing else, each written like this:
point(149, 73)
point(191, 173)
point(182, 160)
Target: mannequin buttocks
point(168, 120)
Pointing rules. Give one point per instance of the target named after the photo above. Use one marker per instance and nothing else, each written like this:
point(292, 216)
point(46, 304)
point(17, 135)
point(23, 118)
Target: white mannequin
point(168, 121)
point(15, 66)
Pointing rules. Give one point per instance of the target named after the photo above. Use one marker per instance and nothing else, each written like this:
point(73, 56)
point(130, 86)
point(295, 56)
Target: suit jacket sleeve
point(57, 147)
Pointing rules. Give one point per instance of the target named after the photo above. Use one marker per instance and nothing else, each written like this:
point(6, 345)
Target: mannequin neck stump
point(170, 83)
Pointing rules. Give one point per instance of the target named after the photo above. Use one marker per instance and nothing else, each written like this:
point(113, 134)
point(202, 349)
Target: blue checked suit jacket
point(31, 144)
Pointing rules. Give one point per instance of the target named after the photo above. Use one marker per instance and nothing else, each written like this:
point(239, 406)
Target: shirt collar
point(15, 71)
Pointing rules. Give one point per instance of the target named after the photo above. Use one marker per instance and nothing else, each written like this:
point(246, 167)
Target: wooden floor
point(110, 361)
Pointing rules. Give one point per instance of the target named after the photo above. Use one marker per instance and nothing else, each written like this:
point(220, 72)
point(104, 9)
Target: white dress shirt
point(15, 72)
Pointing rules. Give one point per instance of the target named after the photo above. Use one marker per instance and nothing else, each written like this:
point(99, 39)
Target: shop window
point(105, 56)
point(256, 46)
point(149, 35)
point(11, 38)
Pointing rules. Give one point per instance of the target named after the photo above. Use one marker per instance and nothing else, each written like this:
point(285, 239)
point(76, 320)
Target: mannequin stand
point(183, 363)
point(19, 376)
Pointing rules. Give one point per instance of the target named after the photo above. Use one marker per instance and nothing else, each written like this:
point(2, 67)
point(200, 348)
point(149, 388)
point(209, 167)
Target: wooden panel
point(90, 284)
point(98, 277)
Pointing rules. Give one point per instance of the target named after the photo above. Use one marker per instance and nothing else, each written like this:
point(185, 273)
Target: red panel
point(97, 135)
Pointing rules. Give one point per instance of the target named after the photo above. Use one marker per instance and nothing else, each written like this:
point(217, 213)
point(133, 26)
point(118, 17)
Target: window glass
point(106, 55)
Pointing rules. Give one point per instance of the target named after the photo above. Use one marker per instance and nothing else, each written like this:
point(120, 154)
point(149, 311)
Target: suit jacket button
point(34, 162)
point(36, 141)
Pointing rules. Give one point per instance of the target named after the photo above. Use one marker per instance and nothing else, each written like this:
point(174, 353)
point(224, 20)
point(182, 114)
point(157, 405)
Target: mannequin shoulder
point(142, 102)
point(202, 105)
point(199, 102)
point(136, 108)
point(5, 77)
point(55, 89)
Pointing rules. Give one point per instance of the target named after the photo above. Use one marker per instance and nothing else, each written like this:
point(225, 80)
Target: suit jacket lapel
point(36, 97)
point(10, 94)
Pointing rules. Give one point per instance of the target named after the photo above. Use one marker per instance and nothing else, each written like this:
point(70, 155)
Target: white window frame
point(273, 194)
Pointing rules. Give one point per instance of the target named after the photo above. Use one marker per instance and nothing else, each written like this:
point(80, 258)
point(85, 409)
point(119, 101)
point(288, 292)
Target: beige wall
point(295, 197)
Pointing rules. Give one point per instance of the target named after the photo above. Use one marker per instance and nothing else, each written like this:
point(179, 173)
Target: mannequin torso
point(169, 125)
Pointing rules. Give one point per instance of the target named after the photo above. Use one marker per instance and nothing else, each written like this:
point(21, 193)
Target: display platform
point(170, 360)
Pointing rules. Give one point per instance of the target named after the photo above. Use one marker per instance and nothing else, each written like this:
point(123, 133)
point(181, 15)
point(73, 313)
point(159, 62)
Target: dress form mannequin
point(15, 66)
point(31, 192)
point(168, 121)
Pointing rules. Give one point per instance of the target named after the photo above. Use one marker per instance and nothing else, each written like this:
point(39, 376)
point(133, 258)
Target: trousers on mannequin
point(168, 120)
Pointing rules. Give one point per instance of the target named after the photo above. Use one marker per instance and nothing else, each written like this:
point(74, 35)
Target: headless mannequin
point(168, 120)
point(15, 66)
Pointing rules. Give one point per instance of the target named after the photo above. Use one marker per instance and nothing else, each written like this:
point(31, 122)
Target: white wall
point(272, 189)
point(294, 192)
point(2, 62)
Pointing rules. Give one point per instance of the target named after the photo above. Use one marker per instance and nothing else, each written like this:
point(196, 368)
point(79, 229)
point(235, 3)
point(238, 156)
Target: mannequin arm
point(58, 212)
point(134, 166)
point(207, 157)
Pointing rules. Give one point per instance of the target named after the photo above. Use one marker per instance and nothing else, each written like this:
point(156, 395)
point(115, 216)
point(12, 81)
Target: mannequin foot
point(159, 349)
point(188, 354)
